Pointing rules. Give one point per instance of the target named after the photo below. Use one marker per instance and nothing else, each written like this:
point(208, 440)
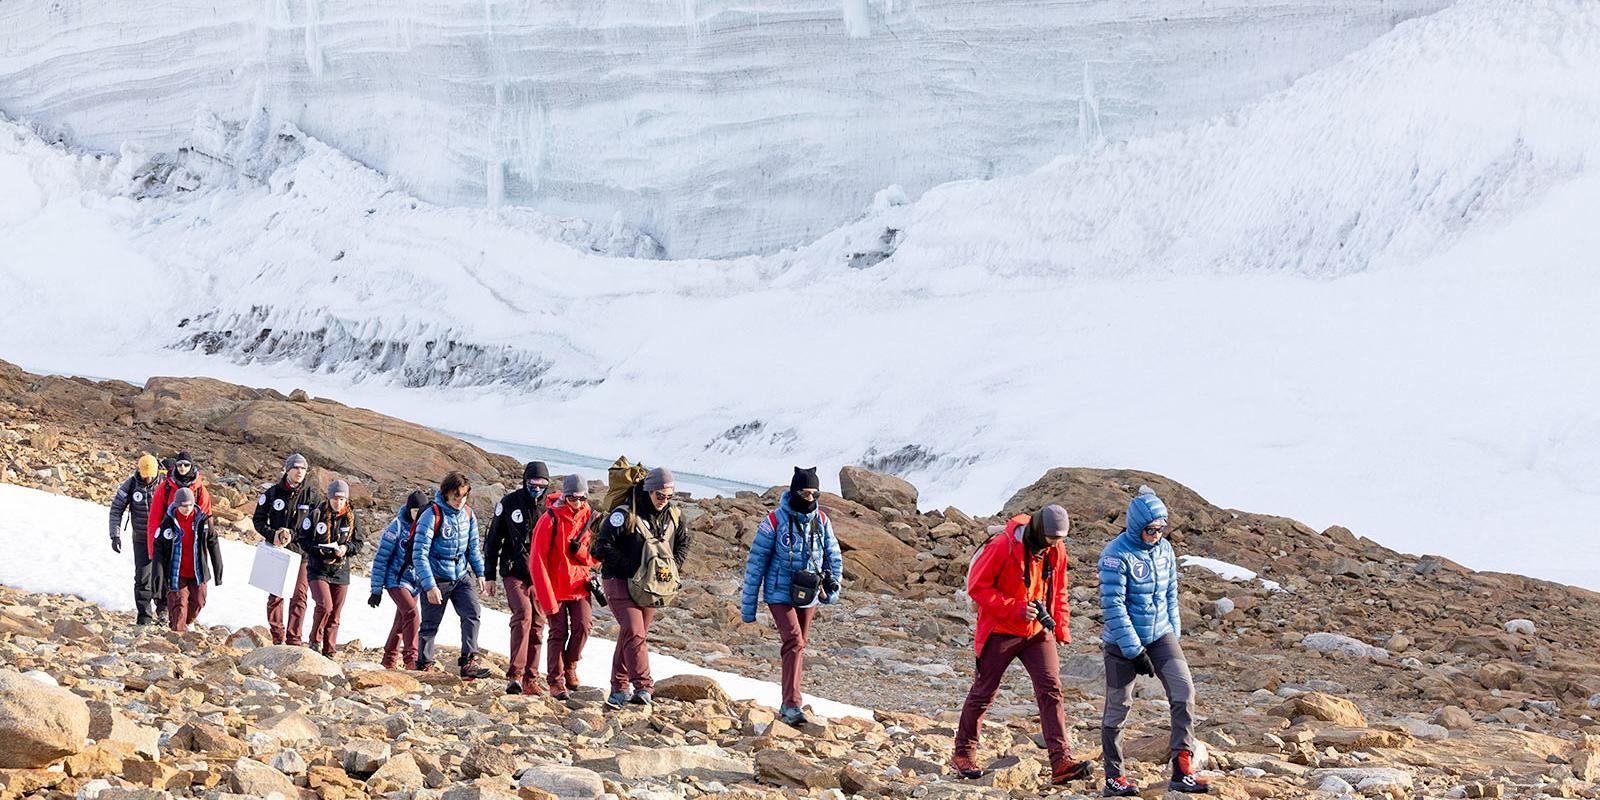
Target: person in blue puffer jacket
point(392, 573)
point(796, 537)
point(1139, 603)
point(448, 559)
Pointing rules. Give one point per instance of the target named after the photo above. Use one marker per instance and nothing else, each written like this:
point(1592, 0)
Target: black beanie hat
point(535, 469)
point(183, 455)
point(804, 479)
point(417, 499)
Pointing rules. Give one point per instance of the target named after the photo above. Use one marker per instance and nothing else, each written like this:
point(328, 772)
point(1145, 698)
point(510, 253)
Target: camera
point(1044, 617)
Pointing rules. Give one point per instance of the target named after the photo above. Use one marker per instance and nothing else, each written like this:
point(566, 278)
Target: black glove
point(375, 599)
point(116, 543)
point(1142, 665)
point(830, 587)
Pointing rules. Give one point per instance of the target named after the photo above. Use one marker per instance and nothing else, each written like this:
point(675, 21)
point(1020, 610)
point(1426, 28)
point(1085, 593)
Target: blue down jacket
point(775, 555)
point(1139, 582)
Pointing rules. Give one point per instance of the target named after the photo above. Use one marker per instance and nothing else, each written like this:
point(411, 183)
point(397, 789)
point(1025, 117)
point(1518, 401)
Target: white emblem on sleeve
point(617, 518)
point(498, 507)
point(305, 525)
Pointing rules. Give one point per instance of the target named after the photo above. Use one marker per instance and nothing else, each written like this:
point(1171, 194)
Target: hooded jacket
point(133, 499)
point(559, 561)
point(1139, 582)
point(620, 545)
point(776, 554)
point(511, 534)
point(282, 506)
point(161, 501)
point(205, 557)
point(389, 568)
point(454, 553)
point(324, 527)
point(1005, 578)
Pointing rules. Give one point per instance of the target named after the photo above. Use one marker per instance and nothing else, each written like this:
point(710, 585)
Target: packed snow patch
point(1228, 572)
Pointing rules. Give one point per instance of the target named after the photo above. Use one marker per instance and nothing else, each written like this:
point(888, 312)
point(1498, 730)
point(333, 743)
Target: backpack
point(620, 480)
point(656, 582)
point(411, 538)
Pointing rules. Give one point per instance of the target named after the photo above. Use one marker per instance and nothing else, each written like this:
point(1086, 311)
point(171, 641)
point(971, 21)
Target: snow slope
point(720, 127)
point(75, 558)
point(1361, 301)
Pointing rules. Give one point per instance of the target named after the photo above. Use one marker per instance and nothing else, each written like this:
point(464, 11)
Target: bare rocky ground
point(1368, 673)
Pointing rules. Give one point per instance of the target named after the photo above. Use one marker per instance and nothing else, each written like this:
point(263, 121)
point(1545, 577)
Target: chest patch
point(277, 505)
point(322, 527)
point(617, 519)
point(1140, 569)
point(138, 497)
point(1111, 562)
point(516, 516)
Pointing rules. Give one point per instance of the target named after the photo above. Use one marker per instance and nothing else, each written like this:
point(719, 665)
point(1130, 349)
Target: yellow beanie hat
point(148, 466)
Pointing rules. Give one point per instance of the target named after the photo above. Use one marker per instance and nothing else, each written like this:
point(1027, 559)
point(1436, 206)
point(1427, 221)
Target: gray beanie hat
point(295, 460)
point(1053, 520)
point(658, 479)
point(337, 487)
point(574, 484)
point(184, 495)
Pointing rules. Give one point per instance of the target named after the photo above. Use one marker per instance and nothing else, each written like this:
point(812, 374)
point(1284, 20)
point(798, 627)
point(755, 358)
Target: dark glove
point(830, 587)
point(116, 543)
point(1142, 665)
point(375, 599)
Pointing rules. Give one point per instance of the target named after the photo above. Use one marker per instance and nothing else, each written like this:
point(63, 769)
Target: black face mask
point(800, 505)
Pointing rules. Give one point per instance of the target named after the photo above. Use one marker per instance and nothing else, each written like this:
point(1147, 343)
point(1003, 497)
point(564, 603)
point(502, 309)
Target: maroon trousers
point(630, 662)
point(793, 626)
point(402, 641)
point(527, 631)
point(569, 632)
point(1039, 657)
point(184, 603)
point(297, 612)
point(329, 598)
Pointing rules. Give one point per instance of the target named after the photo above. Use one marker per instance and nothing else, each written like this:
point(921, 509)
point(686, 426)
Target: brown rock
point(877, 491)
point(399, 772)
point(362, 680)
point(1325, 707)
point(1454, 718)
point(38, 723)
point(782, 768)
point(690, 689)
point(484, 761)
point(212, 741)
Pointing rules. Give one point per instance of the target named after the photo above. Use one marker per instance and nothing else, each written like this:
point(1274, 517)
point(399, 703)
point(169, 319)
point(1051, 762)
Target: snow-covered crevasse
point(719, 126)
point(1441, 403)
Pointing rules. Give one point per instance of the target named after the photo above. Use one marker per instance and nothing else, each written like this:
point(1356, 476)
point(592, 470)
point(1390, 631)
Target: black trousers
point(148, 582)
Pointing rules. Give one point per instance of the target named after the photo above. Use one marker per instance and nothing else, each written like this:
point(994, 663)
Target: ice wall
point(718, 127)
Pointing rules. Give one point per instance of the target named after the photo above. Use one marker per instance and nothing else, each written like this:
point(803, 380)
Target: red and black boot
point(1183, 777)
point(1066, 771)
point(965, 766)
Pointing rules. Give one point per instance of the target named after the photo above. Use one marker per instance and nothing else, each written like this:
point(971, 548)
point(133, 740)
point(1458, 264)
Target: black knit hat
point(804, 479)
point(183, 455)
point(416, 500)
point(535, 469)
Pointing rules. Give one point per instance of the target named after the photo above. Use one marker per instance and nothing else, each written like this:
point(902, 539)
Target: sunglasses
point(660, 495)
point(808, 494)
point(183, 464)
point(1155, 529)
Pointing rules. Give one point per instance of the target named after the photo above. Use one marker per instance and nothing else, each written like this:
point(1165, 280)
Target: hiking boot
point(427, 666)
point(513, 687)
point(1066, 771)
point(617, 699)
point(389, 663)
point(1183, 777)
point(561, 695)
point(533, 687)
point(965, 767)
point(328, 652)
point(1119, 786)
point(472, 670)
point(791, 716)
point(642, 698)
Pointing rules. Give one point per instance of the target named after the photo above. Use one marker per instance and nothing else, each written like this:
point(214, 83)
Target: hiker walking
point(191, 555)
point(1019, 583)
point(182, 473)
point(1139, 601)
point(641, 547)
point(132, 501)
point(331, 543)
point(506, 555)
point(282, 512)
point(795, 562)
point(559, 564)
point(392, 573)
point(449, 565)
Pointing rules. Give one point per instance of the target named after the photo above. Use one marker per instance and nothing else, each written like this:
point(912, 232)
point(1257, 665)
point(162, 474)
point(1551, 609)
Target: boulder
point(1365, 777)
point(256, 779)
point(1524, 626)
point(1015, 773)
point(363, 757)
point(38, 723)
point(877, 491)
point(1320, 706)
point(108, 724)
point(484, 761)
point(566, 783)
point(1454, 718)
point(707, 762)
point(299, 664)
point(690, 689)
point(290, 727)
point(398, 773)
point(872, 554)
point(782, 768)
point(1338, 643)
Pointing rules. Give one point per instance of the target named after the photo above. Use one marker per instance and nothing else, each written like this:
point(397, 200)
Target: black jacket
point(322, 527)
point(282, 507)
point(620, 545)
point(133, 499)
point(207, 553)
point(510, 537)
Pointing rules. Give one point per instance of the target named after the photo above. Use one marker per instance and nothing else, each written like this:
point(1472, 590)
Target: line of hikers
point(544, 545)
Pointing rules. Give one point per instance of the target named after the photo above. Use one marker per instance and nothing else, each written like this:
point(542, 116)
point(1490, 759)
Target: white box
point(275, 570)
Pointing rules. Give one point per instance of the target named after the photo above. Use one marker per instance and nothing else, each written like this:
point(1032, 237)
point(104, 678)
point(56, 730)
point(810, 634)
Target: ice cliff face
point(718, 128)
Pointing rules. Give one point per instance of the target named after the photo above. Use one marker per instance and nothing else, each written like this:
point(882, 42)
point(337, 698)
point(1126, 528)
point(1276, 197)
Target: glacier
point(1357, 300)
point(717, 127)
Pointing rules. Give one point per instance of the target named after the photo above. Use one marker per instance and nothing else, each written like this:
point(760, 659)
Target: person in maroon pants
point(392, 573)
point(620, 548)
point(331, 539)
point(560, 563)
point(280, 517)
point(192, 556)
point(1019, 582)
point(505, 556)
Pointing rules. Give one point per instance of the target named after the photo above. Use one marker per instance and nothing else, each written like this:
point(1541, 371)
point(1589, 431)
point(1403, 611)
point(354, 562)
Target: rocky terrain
point(1342, 668)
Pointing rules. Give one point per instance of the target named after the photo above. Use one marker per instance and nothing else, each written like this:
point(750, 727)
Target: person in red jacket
point(559, 563)
point(191, 557)
point(1019, 582)
point(184, 474)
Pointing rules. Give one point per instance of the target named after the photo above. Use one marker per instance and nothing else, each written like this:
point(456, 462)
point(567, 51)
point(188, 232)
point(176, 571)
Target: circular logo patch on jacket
point(617, 518)
point(498, 508)
point(322, 527)
point(277, 505)
point(169, 533)
point(516, 516)
point(305, 525)
point(1140, 569)
point(138, 497)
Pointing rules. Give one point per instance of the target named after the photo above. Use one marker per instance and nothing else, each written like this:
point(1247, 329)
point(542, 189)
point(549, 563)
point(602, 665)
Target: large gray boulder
point(39, 723)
